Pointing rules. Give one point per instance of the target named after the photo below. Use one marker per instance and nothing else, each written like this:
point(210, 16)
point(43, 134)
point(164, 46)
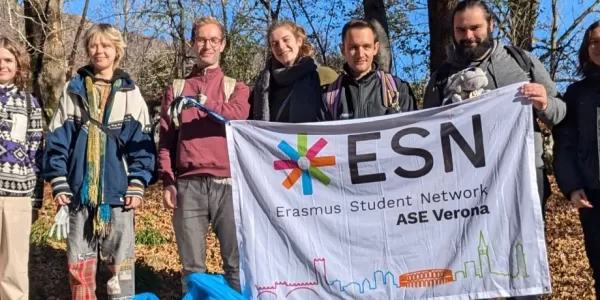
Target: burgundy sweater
point(202, 146)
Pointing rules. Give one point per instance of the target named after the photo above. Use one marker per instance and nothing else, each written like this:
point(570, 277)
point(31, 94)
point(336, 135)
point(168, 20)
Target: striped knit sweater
point(20, 145)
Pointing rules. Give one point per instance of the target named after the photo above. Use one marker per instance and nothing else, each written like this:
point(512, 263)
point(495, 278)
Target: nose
point(280, 45)
point(360, 52)
point(470, 34)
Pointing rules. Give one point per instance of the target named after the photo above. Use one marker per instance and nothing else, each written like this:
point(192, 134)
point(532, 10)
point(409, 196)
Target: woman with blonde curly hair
point(289, 89)
point(21, 184)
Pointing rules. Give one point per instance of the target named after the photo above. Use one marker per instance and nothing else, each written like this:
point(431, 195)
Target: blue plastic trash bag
point(145, 296)
point(202, 286)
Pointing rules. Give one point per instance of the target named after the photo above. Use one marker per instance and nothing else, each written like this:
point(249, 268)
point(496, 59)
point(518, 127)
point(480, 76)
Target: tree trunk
point(181, 32)
point(523, 14)
point(553, 45)
point(375, 13)
point(11, 21)
point(441, 32)
point(43, 28)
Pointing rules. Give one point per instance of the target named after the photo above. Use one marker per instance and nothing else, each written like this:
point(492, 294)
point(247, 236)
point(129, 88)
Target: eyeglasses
point(213, 42)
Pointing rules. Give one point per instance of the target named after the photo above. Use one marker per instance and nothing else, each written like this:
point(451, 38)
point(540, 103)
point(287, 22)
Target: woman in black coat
point(577, 146)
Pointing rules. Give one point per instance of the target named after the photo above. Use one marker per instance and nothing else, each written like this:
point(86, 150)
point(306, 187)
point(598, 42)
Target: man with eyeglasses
point(193, 160)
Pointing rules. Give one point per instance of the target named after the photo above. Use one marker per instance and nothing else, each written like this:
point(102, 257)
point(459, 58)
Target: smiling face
point(8, 66)
point(472, 33)
point(284, 45)
point(209, 44)
point(359, 50)
point(102, 53)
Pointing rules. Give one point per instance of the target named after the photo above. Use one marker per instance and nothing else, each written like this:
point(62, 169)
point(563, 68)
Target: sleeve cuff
point(135, 189)
point(167, 181)
point(567, 193)
point(60, 187)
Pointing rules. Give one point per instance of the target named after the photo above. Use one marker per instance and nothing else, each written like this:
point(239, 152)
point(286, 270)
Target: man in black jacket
point(363, 90)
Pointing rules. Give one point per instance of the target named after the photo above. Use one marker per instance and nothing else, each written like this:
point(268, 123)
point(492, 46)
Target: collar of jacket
point(206, 72)
point(366, 78)
point(77, 83)
point(9, 89)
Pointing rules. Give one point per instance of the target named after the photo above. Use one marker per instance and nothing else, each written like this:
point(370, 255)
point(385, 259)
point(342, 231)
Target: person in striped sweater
point(21, 183)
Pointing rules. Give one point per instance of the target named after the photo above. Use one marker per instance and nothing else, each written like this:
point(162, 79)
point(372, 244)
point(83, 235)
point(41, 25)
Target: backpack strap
point(228, 86)
point(85, 117)
point(331, 97)
point(178, 85)
point(441, 79)
point(521, 58)
point(390, 91)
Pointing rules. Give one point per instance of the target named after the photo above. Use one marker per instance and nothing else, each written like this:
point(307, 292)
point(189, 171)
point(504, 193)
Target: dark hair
point(358, 24)
point(586, 66)
point(466, 4)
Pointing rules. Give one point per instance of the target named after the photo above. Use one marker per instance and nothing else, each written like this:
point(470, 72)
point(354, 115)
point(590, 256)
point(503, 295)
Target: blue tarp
point(202, 286)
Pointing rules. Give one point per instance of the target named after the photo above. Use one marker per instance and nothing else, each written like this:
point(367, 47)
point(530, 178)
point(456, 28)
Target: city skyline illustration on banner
point(479, 268)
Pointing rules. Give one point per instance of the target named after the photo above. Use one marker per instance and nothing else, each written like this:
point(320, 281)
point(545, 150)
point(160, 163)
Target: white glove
point(177, 106)
point(61, 223)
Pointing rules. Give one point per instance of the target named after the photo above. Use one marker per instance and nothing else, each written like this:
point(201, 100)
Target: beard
point(473, 53)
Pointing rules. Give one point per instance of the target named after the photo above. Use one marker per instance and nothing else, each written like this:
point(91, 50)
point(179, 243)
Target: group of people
point(99, 154)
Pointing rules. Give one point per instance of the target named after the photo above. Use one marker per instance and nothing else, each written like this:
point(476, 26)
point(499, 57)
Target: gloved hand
point(178, 105)
point(61, 223)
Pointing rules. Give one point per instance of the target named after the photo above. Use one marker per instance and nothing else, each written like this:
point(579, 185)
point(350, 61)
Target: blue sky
point(569, 9)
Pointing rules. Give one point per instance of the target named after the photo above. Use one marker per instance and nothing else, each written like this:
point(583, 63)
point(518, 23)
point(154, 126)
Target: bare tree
point(516, 22)
point(73, 54)
point(321, 25)
point(440, 30)
point(376, 14)
point(11, 20)
point(272, 10)
point(523, 15)
point(43, 29)
point(559, 48)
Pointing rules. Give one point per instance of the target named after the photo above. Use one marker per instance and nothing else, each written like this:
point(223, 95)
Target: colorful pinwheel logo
point(304, 163)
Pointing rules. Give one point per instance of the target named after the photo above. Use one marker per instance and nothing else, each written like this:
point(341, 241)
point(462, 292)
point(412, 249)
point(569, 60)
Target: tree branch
point(293, 11)
point(573, 26)
point(73, 54)
point(273, 13)
point(315, 32)
point(501, 24)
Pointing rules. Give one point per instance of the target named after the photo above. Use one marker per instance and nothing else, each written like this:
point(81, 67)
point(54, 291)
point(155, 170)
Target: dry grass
point(157, 267)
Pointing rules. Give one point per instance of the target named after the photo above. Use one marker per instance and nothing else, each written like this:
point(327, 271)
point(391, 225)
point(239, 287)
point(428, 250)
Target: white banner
point(432, 204)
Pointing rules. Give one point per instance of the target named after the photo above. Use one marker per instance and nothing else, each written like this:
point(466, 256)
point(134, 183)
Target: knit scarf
point(284, 76)
point(92, 189)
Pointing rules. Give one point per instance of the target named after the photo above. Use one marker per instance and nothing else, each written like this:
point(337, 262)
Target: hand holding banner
point(438, 203)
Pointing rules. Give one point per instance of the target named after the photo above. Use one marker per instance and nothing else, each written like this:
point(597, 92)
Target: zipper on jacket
point(360, 102)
